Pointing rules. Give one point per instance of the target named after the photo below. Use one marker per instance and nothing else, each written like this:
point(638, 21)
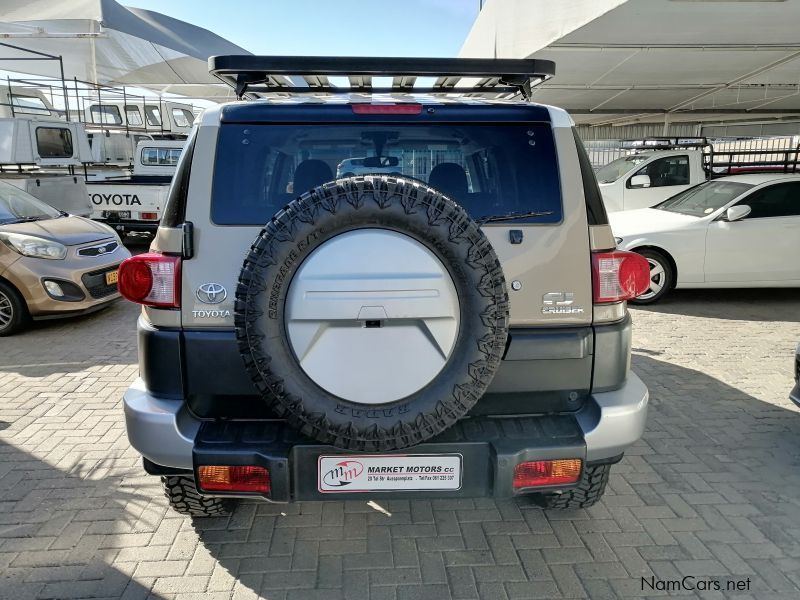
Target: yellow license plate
point(112, 277)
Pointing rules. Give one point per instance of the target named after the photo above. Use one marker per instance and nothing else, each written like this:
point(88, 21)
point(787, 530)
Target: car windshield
point(17, 206)
point(617, 168)
point(704, 199)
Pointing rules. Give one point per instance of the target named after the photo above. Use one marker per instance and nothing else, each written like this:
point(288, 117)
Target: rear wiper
point(512, 216)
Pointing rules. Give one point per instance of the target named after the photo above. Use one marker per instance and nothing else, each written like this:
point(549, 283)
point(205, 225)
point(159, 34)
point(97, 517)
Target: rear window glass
point(108, 115)
point(54, 142)
point(161, 156)
point(488, 169)
point(153, 115)
point(30, 105)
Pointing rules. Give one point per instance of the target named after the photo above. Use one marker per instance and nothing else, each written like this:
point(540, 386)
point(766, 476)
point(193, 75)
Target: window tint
point(105, 114)
point(488, 169)
point(30, 105)
point(183, 117)
point(595, 209)
point(133, 115)
point(781, 200)
point(160, 156)
point(670, 170)
point(153, 115)
point(175, 209)
point(54, 142)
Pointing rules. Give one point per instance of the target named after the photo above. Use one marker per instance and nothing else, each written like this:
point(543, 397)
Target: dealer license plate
point(392, 472)
point(112, 277)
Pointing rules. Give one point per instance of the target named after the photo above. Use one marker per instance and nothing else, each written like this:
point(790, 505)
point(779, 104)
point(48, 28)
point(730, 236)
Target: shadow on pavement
point(711, 490)
point(737, 304)
point(50, 347)
point(51, 523)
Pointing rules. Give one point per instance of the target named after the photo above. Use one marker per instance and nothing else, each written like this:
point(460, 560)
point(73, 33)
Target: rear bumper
point(166, 434)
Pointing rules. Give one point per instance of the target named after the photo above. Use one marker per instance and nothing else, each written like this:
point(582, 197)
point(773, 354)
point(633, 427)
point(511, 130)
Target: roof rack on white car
point(664, 143)
point(252, 75)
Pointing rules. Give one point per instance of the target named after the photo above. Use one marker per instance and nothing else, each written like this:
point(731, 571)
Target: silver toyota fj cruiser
point(458, 329)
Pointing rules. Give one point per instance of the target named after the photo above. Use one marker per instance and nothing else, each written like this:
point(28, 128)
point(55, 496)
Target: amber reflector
point(219, 478)
point(546, 472)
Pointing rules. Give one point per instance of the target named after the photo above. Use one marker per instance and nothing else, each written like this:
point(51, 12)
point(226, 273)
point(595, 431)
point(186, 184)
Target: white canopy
point(653, 60)
point(104, 42)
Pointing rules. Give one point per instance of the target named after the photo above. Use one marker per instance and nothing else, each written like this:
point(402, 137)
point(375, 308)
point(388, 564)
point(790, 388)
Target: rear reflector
point(149, 216)
point(619, 275)
point(387, 109)
point(234, 479)
point(546, 472)
point(151, 279)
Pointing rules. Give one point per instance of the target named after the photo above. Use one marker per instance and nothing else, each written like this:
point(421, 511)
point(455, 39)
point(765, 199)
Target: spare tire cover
point(371, 313)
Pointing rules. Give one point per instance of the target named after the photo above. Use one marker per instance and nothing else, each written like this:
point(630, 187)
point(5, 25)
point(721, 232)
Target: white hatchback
point(732, 232)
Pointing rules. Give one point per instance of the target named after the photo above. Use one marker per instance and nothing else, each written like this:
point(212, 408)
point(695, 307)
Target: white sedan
point(732, 232)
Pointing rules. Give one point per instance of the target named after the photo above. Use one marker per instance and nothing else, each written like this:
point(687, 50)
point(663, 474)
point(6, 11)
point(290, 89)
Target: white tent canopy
point(104, 42)
point(653, 61)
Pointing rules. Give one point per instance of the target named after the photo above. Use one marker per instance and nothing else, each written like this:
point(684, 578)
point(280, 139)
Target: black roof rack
point(664, 143)
point(248, 74)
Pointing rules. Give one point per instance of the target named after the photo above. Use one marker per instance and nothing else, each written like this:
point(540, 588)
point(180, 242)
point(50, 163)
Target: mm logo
point(343, 473)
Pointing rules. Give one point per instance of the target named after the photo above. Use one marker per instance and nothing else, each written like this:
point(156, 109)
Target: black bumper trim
point(490, 448)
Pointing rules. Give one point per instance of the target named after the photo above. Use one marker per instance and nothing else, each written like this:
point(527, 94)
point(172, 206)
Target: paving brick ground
point(713, 490)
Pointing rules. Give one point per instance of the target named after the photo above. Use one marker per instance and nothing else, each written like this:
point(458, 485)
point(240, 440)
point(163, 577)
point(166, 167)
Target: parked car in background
point(134, 203)
point(659, 168)
point(733, 232)
point(643, 179)
point(44, 157)
point(52, 263)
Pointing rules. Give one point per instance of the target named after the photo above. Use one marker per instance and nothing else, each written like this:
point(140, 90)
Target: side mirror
point(738, 212)
point(640, 181)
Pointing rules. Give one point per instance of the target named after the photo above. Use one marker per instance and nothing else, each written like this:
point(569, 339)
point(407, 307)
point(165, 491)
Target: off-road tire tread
point(351, 195)
point(590, 489)
point(183, 497)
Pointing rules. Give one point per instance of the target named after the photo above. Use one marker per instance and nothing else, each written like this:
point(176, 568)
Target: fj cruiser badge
point(560, 303)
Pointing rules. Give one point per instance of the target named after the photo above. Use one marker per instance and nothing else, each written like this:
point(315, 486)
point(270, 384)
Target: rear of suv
point(457, 329)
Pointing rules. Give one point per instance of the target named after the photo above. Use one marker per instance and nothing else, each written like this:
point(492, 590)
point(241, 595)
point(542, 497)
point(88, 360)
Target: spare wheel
point(371, 313)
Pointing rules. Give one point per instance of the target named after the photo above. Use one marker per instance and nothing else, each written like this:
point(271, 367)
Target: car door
point(762, 247)
point(668, 176)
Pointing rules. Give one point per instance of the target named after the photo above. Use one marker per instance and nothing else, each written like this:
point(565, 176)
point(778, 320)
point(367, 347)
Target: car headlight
point(618, 240)
point(30, 245)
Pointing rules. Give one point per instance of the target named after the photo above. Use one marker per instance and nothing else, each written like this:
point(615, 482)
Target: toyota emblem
point(211, 293)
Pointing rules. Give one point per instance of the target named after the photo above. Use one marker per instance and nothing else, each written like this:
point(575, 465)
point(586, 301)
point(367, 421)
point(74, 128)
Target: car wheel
point(588, 492)
point(13, 311)
point(184, 498)
point(371, 313)
point(662, 277)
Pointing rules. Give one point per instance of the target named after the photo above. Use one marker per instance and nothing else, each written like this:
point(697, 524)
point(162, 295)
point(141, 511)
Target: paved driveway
point(712, 492)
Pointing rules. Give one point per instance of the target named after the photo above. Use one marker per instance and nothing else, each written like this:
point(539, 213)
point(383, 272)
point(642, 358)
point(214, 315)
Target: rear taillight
point(151, 279)
point(539, 473)
point(221, 478)
point(387, 109)
point(148, 216)
point(619, 275)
